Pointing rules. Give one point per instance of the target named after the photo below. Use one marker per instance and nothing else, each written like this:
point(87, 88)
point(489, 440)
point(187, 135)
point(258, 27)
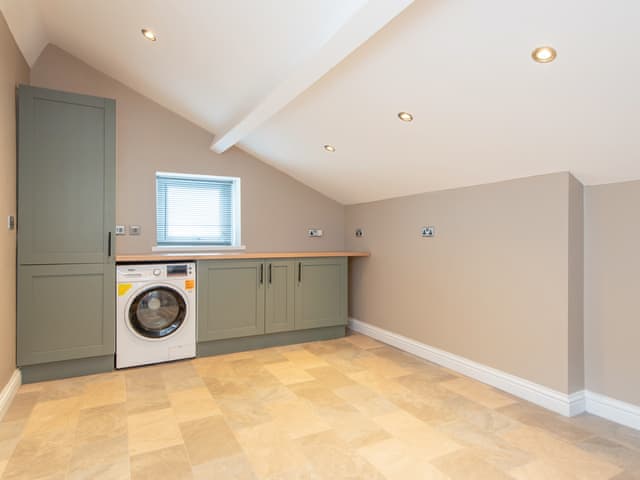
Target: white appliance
point(156, 317)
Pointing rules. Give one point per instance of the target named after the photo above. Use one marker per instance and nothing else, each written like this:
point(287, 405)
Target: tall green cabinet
point(66, 219)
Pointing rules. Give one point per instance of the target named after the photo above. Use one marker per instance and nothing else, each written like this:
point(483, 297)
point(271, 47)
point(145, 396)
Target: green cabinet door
point(280, 293)
point(66, 177)
point(230, 299)
point(65, 312)
point(321, 292)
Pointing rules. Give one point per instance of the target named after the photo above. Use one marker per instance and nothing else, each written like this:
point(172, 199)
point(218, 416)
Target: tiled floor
point(348, 408)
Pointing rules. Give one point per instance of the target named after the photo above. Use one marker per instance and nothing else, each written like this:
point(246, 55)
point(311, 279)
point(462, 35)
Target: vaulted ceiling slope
point(281, 78)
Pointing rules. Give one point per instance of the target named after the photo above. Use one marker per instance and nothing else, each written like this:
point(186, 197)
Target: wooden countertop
point(192, 256)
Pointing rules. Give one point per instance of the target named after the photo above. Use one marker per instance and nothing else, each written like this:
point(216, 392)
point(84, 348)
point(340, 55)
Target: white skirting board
point(567, 405)
point(9, 391)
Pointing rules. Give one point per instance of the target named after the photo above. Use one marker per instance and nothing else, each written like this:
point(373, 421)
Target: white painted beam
point(368, 20)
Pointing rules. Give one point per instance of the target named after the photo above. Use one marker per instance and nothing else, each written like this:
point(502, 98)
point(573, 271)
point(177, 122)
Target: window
point(197, 210)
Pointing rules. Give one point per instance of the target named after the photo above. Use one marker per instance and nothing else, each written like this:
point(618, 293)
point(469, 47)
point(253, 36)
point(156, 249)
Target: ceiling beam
point(368, 20)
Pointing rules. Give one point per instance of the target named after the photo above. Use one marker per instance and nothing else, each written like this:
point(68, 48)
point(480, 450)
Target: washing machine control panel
point(137, 273)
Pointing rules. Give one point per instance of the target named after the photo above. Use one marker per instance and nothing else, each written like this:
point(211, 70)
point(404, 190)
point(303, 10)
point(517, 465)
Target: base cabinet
point(66, 312)
point(230, 299)
point(321, 293)
point(238, 298)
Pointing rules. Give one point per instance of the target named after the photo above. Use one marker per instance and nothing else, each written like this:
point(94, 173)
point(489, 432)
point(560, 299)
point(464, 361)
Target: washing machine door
point(157, 312)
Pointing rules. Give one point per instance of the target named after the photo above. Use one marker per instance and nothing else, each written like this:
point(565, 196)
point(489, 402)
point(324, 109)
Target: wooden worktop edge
point(186, 256)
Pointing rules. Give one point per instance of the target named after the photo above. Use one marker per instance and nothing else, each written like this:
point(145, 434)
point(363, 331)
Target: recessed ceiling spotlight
point(329, 148)
point(544, 54)
point(149, 35)
point(405, 116)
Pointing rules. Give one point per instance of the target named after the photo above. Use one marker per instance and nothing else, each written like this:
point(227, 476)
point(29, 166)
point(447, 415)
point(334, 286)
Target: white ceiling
point(484, 111)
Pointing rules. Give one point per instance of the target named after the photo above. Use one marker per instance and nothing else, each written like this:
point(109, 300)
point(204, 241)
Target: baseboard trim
point(9, 391)
point(617, 411)
point(567, 405)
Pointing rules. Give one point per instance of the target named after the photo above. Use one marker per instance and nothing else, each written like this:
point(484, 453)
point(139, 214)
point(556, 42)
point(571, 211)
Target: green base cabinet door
point(230, 299)
point(321, 292)
point(65, 312)
point(280, 296)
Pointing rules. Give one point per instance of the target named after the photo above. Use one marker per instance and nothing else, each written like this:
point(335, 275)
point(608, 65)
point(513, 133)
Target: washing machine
point(156, 316)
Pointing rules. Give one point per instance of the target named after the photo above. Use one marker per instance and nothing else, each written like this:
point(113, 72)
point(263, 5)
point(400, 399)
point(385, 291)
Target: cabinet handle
point(261, 273)
point(299, 272)
point(109, 245)
point(269, 274)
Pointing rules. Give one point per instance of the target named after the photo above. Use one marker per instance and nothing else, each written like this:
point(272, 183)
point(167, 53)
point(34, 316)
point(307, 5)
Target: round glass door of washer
point(157, 312)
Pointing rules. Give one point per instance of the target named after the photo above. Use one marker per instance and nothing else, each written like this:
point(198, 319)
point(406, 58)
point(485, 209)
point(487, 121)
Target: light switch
point(120, 230)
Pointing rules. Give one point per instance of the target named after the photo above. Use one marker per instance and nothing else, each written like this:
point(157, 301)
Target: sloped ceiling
point(484, 111)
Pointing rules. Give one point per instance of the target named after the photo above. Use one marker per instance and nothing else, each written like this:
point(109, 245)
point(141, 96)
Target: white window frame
point(237, 216)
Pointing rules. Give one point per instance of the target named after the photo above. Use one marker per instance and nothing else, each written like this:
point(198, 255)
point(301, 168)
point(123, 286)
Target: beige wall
point(276, 209)
point(576, 285)
point(612, 290)
point(491, 286)
point(13, 70)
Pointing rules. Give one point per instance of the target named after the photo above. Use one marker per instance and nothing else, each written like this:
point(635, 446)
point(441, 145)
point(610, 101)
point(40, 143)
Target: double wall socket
point(133, 230)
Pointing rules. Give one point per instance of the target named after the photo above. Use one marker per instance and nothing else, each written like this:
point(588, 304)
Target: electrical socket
point(314, 232)
point(11, 222)
point(134, 229)
point(121, 230)
point(359, 232)
point(427, 231)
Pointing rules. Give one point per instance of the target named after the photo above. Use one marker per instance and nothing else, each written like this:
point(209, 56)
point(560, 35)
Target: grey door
point(321, 292)
point(280, 292)
point(66, 177)
point(230, 299)
point(65, 312)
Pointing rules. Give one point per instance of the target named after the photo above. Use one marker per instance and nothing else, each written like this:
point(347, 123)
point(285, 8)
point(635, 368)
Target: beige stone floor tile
point(415, 432)
point(365, 400)
point(192, 404)
point(101, 423)
point(330, 377)
point(170, 463)
point(117, 470)
point(297, 418)
point(479, 393)
point(535, 416)
point(36, 457)
point(468, 465)
point(270, 451)
point(21, 406)
point(559, 453)
point(104, 393)
point(10, 433)
point(612, 452)
point(383, 367)
point(331, 458)
point(486, 444)
point(208, 438)
point(304, 359)
point(288, 373)
point(104, 458)
point(181, 376)
point(604, 428)
point(397, 460)
point(540, 470)
point(243, 413)
point(627, 475)
point(362, 341)
point(152, 430)
point(234, 467)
